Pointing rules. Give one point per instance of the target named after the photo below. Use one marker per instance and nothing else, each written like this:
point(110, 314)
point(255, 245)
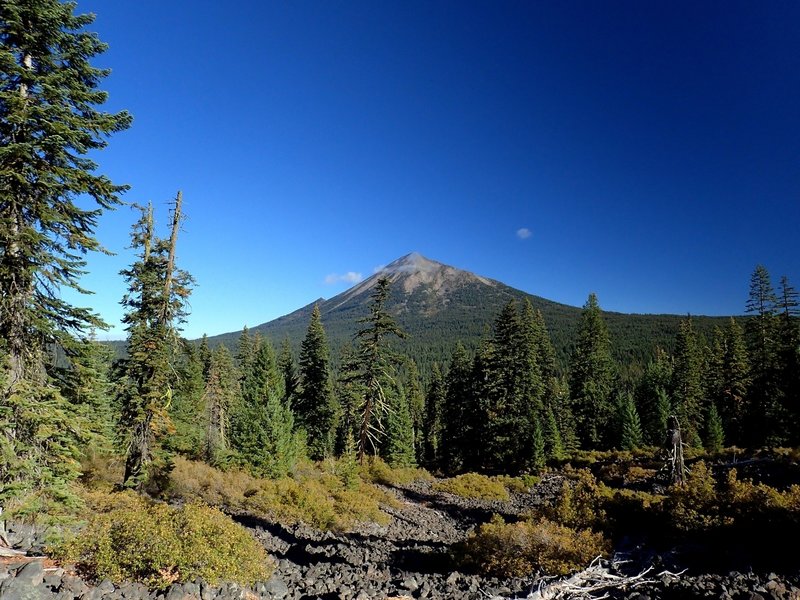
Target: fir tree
point(789, 354)
point(592, 377)
point(688, 383)
point(50, 121)
point(400, 431)
point(652, 397)
point(554, 445)
point(729, 379)
point(715, 435)
point(315, 406)
point(155, 302)
point(186, 407)
point(245, 352)
point(374, 367)
point(459, 412)
point(630, 425)
point(221, 396)
point(766, 418)
point(416, 402)
point(348, 394)
point(433, 424)
point(538, 447)
point(291, 379)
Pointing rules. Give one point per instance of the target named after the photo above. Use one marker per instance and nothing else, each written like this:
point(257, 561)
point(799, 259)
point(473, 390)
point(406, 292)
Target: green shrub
point(128, 538)
point(376, 470)
point(474, 485)
point(518, 485)
point(313, 496)
point(503, 549)
point(581, 502)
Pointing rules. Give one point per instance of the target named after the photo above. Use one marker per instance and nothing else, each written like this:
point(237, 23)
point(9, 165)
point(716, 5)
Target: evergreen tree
point(291, 379)
point(245, 352)
point(458, 414)
point(688, 383)
point(729, 378)
point(315, 406)
point(715, 436)
point(652, 398)
point(221, 396)
point(592, 377)
point(155, 302)
point(375, 368)
point(538, 453)
point(630, 425)
point(204, 354)
point(186, 407)
point(416, 402)
point(400, 431)
point(50, 121)
point(766, 419)
point(433, 424)
point(554, 445)
point(789, 355)
point(348, 394)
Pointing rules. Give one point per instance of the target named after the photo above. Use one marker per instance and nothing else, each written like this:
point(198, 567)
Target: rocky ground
point(408, 558)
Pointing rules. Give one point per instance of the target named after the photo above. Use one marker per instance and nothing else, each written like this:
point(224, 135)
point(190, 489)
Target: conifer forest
point(172, 465)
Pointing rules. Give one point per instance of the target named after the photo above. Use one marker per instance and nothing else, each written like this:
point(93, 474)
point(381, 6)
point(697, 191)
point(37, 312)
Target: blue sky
point(649, 149)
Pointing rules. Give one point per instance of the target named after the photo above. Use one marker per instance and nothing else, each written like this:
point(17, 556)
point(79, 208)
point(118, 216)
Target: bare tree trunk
point(173, 240)
point(674, 446)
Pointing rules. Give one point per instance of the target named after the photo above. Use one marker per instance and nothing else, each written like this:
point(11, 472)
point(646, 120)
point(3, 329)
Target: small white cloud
point(378, 269)
point(524, 233)
point(349, 277)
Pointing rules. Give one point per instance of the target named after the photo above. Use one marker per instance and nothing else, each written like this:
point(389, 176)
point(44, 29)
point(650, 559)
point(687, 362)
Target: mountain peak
point(411, 263)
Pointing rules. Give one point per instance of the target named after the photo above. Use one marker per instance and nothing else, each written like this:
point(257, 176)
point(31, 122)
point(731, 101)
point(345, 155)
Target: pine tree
point(348, 394)
point(221, 396)
point(433, 424)
point(766, 419)
point(729, 378)
point(155, 302)
point(458, 412)
point(789, 354)
point(291, 379)
point(204, 354)
point(315, 406)
point(186, 407)
point(245, 352)
point(715, 435)
point(592, 375)
point(375, 368)
point(554, 446)
point(630, 424)
point(538, 458)
point(416, 402)
point(688, 383)
point(399, 430)
point(652, 397)
point(50, 121)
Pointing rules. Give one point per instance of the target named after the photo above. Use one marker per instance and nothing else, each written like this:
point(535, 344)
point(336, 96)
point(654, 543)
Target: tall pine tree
point(51, 120)
point(315, 406)
point(156, 306)
point(592, 378)
point(687, 383)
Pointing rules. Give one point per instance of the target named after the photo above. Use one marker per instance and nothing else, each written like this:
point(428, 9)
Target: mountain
point(438, 305)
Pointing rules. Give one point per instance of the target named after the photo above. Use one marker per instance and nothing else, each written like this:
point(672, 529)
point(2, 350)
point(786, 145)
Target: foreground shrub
point(503, 549)
point(581, 502)
point(376, 470)
point(474, 485)
point(128, 538)
point(315, 497)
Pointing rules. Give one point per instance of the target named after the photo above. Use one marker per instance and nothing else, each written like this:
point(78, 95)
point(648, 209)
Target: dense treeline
point(508, 404)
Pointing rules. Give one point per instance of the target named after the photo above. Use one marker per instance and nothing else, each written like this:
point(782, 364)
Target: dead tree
point(674, 447)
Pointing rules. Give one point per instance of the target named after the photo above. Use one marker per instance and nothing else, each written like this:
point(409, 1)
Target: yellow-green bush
point(474, 485)
point(128, 538)
point(313, 496)
point(516, 549)
point(581, 502)
point(375, 470)
point(518, 485)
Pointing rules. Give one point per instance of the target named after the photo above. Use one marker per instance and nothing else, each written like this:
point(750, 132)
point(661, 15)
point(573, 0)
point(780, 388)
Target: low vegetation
point(517, 549)
point(130, 538)
point(312, 495)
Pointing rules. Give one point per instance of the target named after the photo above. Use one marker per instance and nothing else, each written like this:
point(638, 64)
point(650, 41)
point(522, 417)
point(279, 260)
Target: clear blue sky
point(650, 150)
